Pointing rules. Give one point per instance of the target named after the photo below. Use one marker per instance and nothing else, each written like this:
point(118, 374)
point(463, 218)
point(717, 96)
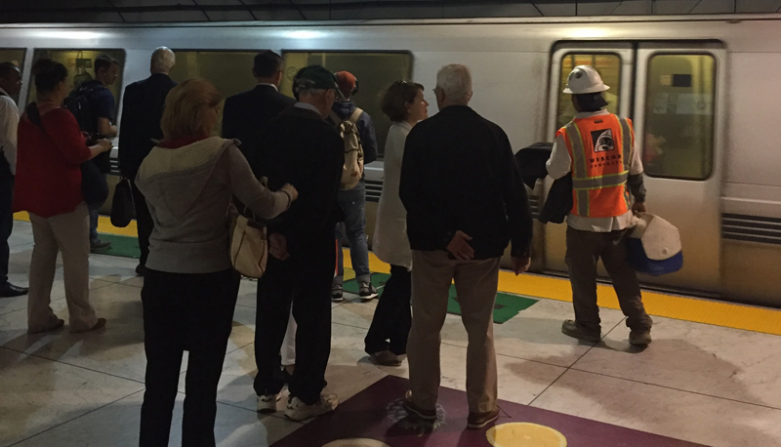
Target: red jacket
point(48, 174)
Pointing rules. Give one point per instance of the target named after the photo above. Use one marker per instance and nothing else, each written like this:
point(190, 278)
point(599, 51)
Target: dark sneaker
point(570, 328)
point(59, 323)
point(337, 293)
point(640, 338)
point(476, 421)
point(9, 290)
point(367, 292)
point(99, 244)
point(414, 410)
point(298, 411)
point(386, 358)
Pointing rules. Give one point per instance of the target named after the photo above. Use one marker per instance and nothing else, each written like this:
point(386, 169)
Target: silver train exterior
point(728, 211)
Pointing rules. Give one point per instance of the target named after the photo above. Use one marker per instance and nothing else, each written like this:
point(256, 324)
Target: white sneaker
point(267, 404)
point(298, 411)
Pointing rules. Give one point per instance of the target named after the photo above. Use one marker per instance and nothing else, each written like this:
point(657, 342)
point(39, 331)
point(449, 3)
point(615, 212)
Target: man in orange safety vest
point(598, 149)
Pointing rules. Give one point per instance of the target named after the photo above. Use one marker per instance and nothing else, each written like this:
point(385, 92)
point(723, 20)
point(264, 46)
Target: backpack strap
point(356, 114)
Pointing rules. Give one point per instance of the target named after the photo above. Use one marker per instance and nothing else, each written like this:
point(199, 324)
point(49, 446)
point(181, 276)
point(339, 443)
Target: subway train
point(700, 90)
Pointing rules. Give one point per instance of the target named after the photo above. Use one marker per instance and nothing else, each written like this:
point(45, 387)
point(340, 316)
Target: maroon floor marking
point(375, 413)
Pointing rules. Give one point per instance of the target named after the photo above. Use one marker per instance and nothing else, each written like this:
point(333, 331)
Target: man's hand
point(521, 265)
point(638, 207)
point(459, 247)
point(277, 246)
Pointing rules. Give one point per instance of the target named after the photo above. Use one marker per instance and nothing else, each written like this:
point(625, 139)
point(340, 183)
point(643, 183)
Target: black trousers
point(143, 222)
point(192, 312)
point(303, 281)
point(6, 216)
point(393, 317)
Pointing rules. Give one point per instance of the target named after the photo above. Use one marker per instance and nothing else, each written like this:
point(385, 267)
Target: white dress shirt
point(560, 164)
point(9, 121)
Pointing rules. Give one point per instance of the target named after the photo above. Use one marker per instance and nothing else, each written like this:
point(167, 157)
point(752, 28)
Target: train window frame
point(120, 86)
point(406, 53)
point(25, 77)
point(562, 76)
point(714, 105)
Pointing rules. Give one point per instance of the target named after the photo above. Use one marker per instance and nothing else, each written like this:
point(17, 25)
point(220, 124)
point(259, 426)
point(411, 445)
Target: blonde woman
point(190, 288)
point(404, 104)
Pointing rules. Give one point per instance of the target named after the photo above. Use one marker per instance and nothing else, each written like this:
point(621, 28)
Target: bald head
point(163, 60)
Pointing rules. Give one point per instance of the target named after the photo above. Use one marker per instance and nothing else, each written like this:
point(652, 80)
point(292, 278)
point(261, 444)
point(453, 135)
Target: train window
point(229, 71)
point(80, 65)
point(679, 116)
point(609, 67)
point(16, 57)
point(375, 72)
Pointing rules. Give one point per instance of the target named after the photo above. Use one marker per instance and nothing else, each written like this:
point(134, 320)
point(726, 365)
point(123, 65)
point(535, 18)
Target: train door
point(674, 94)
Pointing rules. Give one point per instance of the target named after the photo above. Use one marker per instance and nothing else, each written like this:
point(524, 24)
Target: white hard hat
point(584, 79)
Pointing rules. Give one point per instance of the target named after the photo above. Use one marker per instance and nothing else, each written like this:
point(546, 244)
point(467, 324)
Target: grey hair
point(455, 80)
point(163, 60)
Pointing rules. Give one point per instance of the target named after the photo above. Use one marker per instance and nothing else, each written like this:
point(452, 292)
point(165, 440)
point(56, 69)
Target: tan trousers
point(67, 233)
point(476, 285)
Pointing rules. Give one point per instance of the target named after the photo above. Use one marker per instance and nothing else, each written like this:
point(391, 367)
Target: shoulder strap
point(355, 115)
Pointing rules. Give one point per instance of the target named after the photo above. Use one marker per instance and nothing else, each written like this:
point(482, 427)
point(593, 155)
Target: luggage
point(654, 246)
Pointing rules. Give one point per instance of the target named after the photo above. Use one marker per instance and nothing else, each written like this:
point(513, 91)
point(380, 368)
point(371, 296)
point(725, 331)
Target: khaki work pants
point(67, 233)
point(584, 249)
point(476, 284)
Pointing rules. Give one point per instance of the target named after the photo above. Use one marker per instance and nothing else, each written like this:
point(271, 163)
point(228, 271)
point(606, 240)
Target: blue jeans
point(94, 214)
point(353, 203)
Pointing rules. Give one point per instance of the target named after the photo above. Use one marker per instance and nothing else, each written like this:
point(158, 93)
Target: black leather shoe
point(9, 290)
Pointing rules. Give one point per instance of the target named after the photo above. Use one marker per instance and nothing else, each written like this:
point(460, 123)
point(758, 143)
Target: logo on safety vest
point(603, 140)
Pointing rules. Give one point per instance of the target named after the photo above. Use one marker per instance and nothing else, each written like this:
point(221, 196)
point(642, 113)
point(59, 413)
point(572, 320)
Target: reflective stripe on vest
point(593, 175)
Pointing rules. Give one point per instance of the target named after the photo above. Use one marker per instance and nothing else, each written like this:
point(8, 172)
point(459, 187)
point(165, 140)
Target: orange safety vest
point(600, 148)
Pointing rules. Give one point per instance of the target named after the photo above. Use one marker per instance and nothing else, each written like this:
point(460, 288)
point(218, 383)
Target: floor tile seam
point(548, 387)
point(32, 354)
point(499, 354)
point(75, 418)
point(667, 387)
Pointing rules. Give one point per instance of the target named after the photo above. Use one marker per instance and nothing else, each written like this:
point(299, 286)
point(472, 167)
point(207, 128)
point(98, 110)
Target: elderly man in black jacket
point(299, 147)
point(245, 114)
point(465, 201)
point(142, 111)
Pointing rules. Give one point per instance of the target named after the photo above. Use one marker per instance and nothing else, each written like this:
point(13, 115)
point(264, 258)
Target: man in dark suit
point(139, 132)
point(246, 113)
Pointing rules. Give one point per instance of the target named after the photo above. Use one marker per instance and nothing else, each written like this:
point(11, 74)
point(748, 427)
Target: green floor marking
point(121, 246)
point(506, 307)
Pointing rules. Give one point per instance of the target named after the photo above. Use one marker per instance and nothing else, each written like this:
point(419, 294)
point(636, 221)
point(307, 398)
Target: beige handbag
point(249, 247)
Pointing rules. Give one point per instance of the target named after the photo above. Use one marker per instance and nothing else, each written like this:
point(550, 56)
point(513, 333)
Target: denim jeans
point(353, 203)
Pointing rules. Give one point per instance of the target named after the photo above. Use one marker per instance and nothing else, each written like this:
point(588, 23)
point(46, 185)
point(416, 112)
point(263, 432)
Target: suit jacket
point(142, 111)
point(245, 114)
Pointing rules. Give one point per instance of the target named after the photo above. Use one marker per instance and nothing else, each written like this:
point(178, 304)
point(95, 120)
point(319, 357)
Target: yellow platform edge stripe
point(717, 313)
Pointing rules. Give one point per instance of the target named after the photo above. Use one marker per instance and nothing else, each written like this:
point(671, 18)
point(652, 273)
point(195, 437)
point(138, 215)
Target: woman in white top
point(404, 104)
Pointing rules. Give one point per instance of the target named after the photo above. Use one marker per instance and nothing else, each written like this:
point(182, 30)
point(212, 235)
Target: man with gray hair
point(139, 130)
point(465, 202)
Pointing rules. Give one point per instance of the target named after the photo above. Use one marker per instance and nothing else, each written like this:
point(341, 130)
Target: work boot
point(640, 338)
point(571, 329)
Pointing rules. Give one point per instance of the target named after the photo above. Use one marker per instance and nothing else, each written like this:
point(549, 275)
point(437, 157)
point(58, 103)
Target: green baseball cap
point(315, 77)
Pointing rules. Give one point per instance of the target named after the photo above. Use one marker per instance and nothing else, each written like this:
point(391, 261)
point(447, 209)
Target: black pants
point(304, 281)
point(6, 216)
point(192, 312)
point(393, 317)
point(143, 222)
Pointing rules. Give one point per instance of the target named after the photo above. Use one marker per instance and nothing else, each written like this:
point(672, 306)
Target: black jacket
point(245, 114)
point(142, 111)
point(531, 161)
point(300, 148)
point(458, 173)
